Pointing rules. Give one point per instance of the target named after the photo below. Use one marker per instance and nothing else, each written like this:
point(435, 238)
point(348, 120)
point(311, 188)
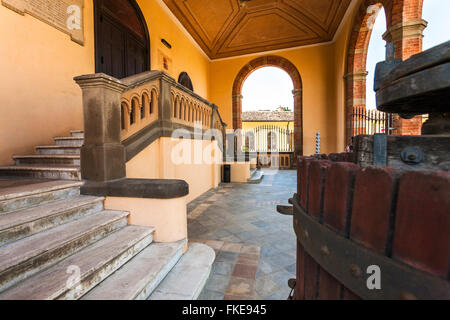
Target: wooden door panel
point(120, 51)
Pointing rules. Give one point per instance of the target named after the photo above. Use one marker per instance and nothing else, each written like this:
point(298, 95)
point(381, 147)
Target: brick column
point(356, 98)
point(237, 112)
point(298, 122)
point(405, 40)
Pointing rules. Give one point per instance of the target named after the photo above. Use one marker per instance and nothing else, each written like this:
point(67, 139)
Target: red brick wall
point(402, 215)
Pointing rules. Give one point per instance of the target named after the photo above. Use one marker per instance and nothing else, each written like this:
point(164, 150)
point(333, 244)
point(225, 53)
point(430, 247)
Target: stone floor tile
point(266, 287)
point(232, 247)
point(245, 271)
point(223, 268)
point(245, 215)
point(255, 250)
point(211, 295)
point(217, 283)
point(227, 256)
point(240, 287)
point(214, 244)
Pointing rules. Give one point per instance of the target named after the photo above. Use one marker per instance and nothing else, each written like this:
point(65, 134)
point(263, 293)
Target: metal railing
point(268, 138)
point(370, 122)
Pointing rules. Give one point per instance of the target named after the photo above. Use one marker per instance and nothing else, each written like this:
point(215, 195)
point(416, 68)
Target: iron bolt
point(325, 251)
point(355, 271)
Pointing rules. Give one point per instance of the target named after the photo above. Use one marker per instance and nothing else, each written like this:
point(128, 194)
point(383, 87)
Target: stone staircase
point(256, 176)
point(58, 244)
point(60, 161)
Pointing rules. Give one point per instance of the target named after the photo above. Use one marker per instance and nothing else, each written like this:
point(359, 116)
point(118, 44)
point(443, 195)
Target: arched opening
point(122, 42)
point(403, 38)
point(185, 81)
point(366, 49)
point(291, 70)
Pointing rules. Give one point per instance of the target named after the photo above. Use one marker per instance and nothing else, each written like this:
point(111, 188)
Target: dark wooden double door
point(122, 46)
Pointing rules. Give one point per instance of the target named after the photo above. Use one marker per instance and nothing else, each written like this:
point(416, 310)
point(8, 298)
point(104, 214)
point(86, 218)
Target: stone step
point(137, 279)
point(48, 160)
point(26, 222)
point(188, 277)
point(28, 193)
point(74, 276)
point(256, 176)
point(58, 150)
point(77, 133)
point(42, 172)
point(69, 141)
point(28, 256)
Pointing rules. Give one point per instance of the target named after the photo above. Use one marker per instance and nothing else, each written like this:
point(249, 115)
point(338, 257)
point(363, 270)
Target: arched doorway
point(289, 67)
point(122, 42)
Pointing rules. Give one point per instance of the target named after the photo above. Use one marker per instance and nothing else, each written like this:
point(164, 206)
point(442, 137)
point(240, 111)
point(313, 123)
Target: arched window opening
point(175, 107)
point(123, 110)
point(152, 98)
point(143, 105)
point(185, 81)
point(133, 112)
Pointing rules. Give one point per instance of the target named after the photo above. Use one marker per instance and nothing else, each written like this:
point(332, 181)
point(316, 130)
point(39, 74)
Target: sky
point(269, 87)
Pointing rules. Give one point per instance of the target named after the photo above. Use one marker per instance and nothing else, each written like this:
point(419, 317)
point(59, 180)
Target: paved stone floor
point(255, 246)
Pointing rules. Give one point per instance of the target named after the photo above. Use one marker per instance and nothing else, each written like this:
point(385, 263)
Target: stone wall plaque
point(64, 15)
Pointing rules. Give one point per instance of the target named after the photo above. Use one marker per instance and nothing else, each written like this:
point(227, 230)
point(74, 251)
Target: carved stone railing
point(139, 108)
point(123, 117)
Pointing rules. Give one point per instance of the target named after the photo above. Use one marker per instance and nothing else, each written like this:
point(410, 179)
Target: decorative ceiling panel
point(226, 28)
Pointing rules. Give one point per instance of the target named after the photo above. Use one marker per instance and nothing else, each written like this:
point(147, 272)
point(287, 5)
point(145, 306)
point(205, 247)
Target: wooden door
point(122, 45)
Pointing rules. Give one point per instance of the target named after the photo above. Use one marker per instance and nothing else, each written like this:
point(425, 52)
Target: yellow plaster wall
point(340, 47)
point(184, 55)
point(155, 162)
point(168, 216)
point(316, 65)
point(40, 100)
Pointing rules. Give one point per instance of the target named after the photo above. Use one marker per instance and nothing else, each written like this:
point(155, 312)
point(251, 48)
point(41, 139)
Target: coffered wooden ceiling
point(226, 28)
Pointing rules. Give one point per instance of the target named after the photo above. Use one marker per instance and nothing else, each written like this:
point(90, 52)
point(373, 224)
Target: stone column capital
point(297, 92)
point(356, 75)
point(406, 30)
point(100, 80)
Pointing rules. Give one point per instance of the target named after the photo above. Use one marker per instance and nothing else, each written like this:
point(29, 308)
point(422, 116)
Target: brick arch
point(398, 14)
point(291, 69)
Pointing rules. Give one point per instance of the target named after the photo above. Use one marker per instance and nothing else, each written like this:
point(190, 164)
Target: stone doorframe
point(291, 69)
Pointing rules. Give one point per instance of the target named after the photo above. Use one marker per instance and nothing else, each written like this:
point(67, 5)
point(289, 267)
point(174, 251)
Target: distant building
point(255, 119)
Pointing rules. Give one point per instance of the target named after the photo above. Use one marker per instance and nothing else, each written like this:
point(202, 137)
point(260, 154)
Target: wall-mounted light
point(168, 45)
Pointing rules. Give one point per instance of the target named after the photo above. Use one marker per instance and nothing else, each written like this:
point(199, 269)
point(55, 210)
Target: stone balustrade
point(123, 117)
